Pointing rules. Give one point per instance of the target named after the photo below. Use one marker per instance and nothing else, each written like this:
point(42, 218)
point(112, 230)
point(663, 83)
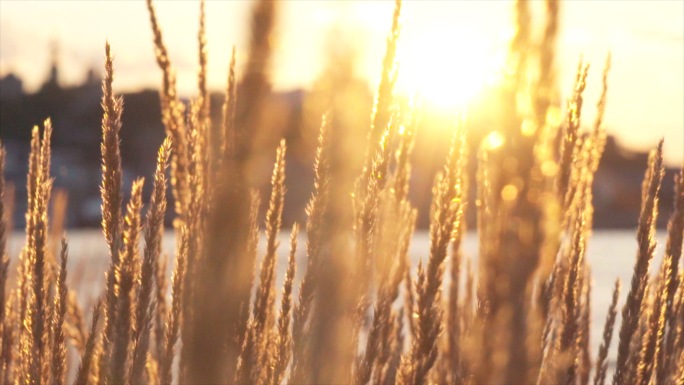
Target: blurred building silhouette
point(295, 115)
point(11, 87)
point(52, 82)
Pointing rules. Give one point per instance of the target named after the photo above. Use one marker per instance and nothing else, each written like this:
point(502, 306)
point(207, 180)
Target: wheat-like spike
point(174, 316)
point(207, 148)
point(161, 306)
point(584, 341)
point(4, 260)
point(654, 321)
point(380, 116)
point(32, 178)
point(247, 366)
point(193, 211)
point(239, 323)
point(364, 364)
point(395, 230)
point(673, 250)
point(23, 268)
point(75, 325)
point(646, 241)
point(9, 298)
point(196, 147)
point(41, 255)
point(284, 348)
point(20, 334)
point(268, 357)
point(252, 244)
point(58, 212)
point(153, 233)
point(251, 370)
point(254, 349)
point(5, 327)
point(111, 193)
point(485, 224)
point(98, 372)
point(381, 113)
point(454, 326)
point(101, 358)
point(316, 210)
point(8, 336)
point(601, 360)
point(10, 200)
point(172, 117)
point(24, 346)
point(111, 158)
point(408, 364)
point(23, 335)
point(366, 218)
point(677, 376)
point(675, 370)
point(601, 105)
point(675, 234)
point(139, 355)
point(569, 144)
point(265, 290)
point(599, 132)
point(334, 319)
point(572, 292)
point(88, 353)
point(646, 182)
point(385, 365)
point(152, 370)
point(228, 129)
point(385, 373)
point(162, 56)
point(467, 303)
point(125, 275)
point(407, 136)
point(49, 288)
point(58, 339)
point(656, 324)
point(37, 248)
point(446, 211)
point(409, 300)
point(44, 161)
point(202, 76)
point(640, 344)
point(265, 293)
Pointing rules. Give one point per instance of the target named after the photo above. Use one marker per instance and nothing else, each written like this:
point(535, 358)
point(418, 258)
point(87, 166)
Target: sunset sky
point(445, 45)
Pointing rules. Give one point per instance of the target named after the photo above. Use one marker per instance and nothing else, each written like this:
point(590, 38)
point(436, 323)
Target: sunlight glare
point(450, 70)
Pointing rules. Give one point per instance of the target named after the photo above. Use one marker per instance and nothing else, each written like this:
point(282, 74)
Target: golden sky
point(444, 45)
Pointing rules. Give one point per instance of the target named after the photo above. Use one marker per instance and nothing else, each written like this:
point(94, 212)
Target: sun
point(447, 70)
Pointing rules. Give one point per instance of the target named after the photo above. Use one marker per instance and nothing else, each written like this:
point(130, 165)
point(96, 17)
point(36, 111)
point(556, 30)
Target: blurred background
point(329, 53)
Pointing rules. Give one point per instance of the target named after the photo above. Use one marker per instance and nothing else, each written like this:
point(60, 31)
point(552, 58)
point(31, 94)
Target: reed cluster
point(517, 313)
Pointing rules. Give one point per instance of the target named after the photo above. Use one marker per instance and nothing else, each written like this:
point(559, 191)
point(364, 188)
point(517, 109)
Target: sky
point(444, 46)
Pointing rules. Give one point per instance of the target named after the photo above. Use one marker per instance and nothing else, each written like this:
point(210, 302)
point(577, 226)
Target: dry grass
point(521, 316)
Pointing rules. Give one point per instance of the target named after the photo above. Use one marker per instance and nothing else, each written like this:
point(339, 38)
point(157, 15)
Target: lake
point(611, 254)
